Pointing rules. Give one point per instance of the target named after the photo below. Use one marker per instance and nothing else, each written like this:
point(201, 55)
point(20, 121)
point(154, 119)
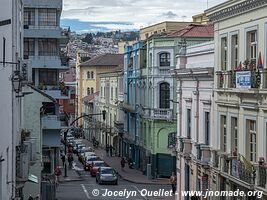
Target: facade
point(163, 27)
point(239, 147)
point(11, 170)
point(45, 49)
point(87, 79)
point(194, 75)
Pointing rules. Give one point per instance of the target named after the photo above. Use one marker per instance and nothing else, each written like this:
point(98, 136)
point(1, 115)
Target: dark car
point(106, 175)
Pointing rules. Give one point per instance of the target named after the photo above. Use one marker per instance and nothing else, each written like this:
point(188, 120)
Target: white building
point(11, 47)
point(194, 75)
point(240, 111)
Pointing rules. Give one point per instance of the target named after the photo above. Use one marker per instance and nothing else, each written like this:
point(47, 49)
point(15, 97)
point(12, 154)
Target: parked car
point(89, 161)
point(95, 166)
point(106, 175)
point(79, 147)
point(82, 153)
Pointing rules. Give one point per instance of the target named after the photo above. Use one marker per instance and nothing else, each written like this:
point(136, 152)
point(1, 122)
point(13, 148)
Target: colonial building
point(194, 76)
point(88, 81)
point(11, 53)
point(240, 118)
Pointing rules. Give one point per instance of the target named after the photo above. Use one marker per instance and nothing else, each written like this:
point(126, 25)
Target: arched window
point(164, 95)
point(92, 75)
point(88, 75)
point(164, 59)
point(92, 90)
point(88, 91)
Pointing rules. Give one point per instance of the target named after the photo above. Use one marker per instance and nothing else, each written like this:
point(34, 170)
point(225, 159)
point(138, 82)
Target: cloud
point(169, 15)
point(138, 13)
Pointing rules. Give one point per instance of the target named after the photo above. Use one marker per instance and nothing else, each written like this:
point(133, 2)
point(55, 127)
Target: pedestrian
point(173, 181)
point(110, 150)
point(123, 161)
point(30, 197)
point(63, 158)
point(57, 173)
point(107, 149)
point(70, 159)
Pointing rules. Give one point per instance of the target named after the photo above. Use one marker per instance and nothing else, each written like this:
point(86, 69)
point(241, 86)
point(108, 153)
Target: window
point(234, 133)
point(88, 91)
point(188, 115)
point(251, 129)
point(48, 77)
point(116, 92)
point(223, 133)
point(164, 95)
point(224, 53)
point(88, 75)
point(172, 140)
point(164, 59)
point(92, 90)
point(47, 17)
point(47, 47)
point(234, 52)
point(207, 128)
point(29, 16)
point(28, 47)
point(92, 75)
point(252, 46)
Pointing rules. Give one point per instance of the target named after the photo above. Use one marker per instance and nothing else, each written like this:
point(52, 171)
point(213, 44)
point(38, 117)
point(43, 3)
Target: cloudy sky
point(106, 15)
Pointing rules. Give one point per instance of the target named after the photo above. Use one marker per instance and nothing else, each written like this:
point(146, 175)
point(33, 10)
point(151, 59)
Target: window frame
point(224, 52)
point(164, 93)
point(164, 59)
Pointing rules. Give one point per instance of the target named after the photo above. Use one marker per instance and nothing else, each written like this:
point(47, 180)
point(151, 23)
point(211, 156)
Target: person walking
point(57, 173)
point(173, 181)
point(63, 158)
point(107, 150)
point(123, 161)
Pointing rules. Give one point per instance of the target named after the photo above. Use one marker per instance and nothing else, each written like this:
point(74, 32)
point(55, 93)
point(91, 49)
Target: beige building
point(200, 18)
point(162, 27)
point(239, 149)
point(122, 44)
point(88, 81)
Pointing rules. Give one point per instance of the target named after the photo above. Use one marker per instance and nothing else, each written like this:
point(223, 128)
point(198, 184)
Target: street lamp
point(16, 81)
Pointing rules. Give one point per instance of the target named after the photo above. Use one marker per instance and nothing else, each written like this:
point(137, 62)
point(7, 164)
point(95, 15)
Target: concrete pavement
point(131, 175)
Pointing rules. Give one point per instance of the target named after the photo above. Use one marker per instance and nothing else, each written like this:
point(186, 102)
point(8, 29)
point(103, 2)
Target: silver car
point(106, 175)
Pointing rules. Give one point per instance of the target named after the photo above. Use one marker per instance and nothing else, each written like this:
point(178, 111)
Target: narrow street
point(84, 187)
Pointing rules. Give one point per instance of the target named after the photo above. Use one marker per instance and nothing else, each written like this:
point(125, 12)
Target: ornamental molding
point(237, 9)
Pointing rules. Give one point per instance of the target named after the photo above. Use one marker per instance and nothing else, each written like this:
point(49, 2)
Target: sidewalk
point(72, 174)
point(131, 175)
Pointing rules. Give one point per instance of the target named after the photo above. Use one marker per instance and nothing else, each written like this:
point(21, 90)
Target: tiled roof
point(194, 30)
point(90, 97)
point(105, 60)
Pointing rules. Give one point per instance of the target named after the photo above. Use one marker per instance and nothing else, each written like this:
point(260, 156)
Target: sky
point(125, 15)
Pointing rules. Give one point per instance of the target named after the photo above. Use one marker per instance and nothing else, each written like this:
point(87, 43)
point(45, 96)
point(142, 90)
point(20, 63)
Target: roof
point(193, 30)
point(90, 97)
point(104, 60)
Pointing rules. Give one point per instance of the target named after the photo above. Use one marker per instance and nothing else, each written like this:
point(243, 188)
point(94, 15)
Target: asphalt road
point(87, 188)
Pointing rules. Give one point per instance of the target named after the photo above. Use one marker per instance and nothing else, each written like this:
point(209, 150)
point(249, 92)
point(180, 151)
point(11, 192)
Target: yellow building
point(200, 18)
point(162, 27)
point(88, 81)
point(121, 45)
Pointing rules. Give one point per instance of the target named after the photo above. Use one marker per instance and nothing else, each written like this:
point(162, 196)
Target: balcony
point(246, 79)
point(42, 32)
point(161, 113)
point(48, 62)
point(162, 70)
point(133, 73)
point(203, 154)
point(43, 4)
point(185, 147)
point(51, 122)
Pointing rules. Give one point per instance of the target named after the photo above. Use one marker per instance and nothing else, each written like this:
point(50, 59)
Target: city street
point(87, 188)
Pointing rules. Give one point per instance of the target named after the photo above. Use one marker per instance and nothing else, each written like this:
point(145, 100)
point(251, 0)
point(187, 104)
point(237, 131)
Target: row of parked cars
point(91, 162)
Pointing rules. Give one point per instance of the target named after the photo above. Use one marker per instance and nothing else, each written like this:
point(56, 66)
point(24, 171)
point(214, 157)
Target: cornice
point(237, 9)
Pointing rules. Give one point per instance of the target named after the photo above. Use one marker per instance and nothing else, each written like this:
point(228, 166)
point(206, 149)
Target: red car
point(95, 166)
point(89, 161)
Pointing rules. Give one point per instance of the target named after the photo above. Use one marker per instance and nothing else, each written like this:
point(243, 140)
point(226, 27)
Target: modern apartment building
point(240, 118)
point(44, 40)
point(194, 75)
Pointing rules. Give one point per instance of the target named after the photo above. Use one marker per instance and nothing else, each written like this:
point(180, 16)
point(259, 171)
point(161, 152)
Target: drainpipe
point(197, 109)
